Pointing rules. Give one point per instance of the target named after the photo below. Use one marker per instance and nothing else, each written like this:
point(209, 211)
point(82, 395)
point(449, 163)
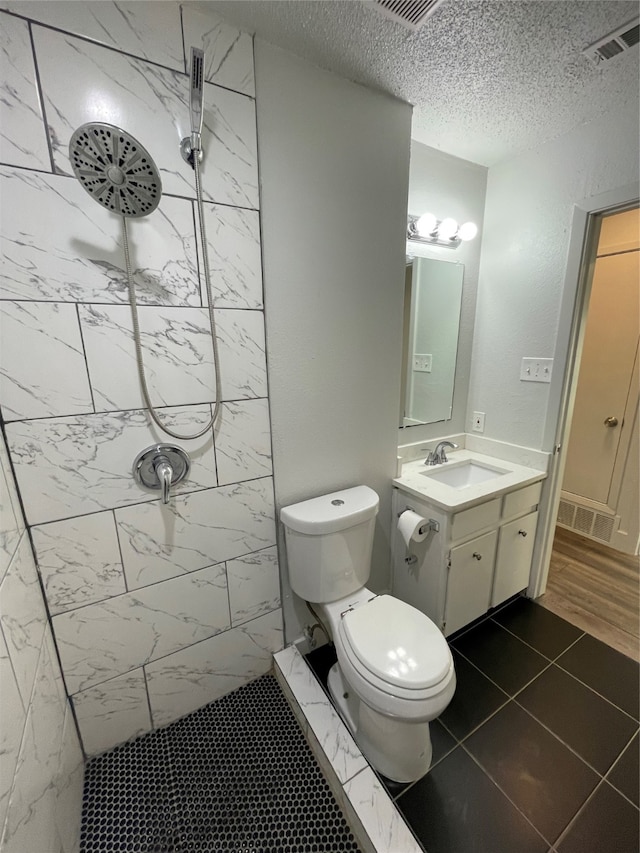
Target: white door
point(606, 369)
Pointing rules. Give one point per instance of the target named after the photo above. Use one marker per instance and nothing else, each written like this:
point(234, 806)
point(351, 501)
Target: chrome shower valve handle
point(164, 473)
point(160, 467)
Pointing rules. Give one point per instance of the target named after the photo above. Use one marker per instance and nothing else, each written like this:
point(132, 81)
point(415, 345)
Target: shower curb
point(374, 818)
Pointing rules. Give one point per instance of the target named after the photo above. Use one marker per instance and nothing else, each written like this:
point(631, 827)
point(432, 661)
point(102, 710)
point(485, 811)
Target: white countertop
point(415, 481)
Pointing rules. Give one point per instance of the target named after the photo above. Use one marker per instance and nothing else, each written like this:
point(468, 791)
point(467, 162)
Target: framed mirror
point(432, 303)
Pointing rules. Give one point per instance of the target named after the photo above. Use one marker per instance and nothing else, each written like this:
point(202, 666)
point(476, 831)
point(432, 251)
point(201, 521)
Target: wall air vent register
point(410, 13)
point(615, 43)
point(586, 521)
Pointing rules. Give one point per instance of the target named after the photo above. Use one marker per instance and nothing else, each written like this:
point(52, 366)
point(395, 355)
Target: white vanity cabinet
point(513, 562)
point(469, 580)
point(477, 558)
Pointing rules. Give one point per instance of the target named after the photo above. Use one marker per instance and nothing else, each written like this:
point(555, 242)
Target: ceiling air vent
point(410, 13)
point(613, 44)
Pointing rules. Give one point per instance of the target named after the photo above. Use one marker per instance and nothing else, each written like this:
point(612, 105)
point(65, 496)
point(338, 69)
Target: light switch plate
point(536, 369)
point(422, 362)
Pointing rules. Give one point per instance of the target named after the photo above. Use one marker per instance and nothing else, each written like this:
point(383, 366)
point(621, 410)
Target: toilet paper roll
point(409, 524)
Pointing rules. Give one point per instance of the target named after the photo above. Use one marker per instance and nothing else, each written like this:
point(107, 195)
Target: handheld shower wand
point(120, 174)
point(191, 146)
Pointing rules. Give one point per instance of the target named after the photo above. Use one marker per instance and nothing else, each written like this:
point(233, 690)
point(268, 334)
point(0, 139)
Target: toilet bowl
point(395, 671)
point(399, 669)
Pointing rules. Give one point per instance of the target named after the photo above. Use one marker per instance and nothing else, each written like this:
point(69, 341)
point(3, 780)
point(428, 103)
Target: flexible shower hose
point(212, 322)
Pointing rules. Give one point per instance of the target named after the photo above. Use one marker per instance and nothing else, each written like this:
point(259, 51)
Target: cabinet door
point(469, 581)
point(513, 563)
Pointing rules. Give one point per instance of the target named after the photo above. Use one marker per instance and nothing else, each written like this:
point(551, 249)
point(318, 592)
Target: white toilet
point(395, 671)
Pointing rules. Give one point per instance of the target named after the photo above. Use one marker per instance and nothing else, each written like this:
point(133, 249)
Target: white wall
point(529, 210)
point(449, 186)
point(41, 763)
point(141, 596)
point(334, 163)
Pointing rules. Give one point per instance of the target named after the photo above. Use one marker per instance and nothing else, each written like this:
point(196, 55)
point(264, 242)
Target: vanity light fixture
point(467, 231)
point(439, 232)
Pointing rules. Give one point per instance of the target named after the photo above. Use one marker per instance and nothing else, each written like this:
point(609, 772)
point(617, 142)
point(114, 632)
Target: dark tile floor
point(538, 751)
point(235, 776)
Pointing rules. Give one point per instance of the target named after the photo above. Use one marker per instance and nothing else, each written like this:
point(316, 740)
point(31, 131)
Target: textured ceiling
point(487, 78)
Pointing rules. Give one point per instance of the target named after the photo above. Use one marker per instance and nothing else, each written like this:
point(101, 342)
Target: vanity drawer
point(521, 500)
point(476, 518)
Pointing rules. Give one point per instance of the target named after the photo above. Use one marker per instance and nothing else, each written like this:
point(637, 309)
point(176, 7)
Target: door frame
point(581, 256)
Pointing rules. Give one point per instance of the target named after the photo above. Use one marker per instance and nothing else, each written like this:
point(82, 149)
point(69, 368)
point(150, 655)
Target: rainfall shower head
point(115, 169)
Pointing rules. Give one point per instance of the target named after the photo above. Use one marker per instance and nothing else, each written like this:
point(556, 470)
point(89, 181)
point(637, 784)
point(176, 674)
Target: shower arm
point(212, 322)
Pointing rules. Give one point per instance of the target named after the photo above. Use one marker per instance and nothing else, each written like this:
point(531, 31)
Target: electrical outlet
point(477, 424)
point(422, 362)
point(536, 369)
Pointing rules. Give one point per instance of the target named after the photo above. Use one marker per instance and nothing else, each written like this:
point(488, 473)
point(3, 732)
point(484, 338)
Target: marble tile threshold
point(374, 819)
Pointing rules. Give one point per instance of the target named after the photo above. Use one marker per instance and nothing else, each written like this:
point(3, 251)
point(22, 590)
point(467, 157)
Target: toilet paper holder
point(432, 525)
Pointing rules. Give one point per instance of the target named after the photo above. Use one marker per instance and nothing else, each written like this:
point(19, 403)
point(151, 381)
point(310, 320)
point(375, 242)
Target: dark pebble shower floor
point(235, 776)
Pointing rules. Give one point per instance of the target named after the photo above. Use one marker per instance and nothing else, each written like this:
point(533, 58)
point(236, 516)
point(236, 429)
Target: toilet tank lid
point(330, 513)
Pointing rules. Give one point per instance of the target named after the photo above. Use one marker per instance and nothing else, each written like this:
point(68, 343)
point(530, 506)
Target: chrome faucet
point(438, 456)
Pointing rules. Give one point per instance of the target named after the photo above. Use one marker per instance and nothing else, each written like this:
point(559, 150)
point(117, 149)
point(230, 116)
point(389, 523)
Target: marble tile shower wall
point(41, 762)
point(155, 610)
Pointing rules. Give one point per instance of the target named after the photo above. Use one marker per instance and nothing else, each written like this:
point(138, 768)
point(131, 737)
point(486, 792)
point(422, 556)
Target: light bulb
point(425, 224)
point(447, 229)
point(468, 231)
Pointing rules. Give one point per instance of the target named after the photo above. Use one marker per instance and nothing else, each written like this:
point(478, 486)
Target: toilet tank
point(329, 542)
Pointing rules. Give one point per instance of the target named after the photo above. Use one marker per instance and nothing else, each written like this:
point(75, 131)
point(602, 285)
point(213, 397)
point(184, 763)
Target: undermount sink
point(463, 474)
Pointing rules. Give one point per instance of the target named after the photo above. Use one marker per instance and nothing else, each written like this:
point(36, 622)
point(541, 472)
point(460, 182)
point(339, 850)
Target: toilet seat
point(415, 691)
point(397, 643)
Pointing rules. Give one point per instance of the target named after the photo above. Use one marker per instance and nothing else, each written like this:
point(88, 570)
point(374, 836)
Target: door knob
point(611, 421)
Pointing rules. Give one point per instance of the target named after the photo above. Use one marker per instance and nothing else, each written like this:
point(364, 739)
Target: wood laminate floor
point(596, 589)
